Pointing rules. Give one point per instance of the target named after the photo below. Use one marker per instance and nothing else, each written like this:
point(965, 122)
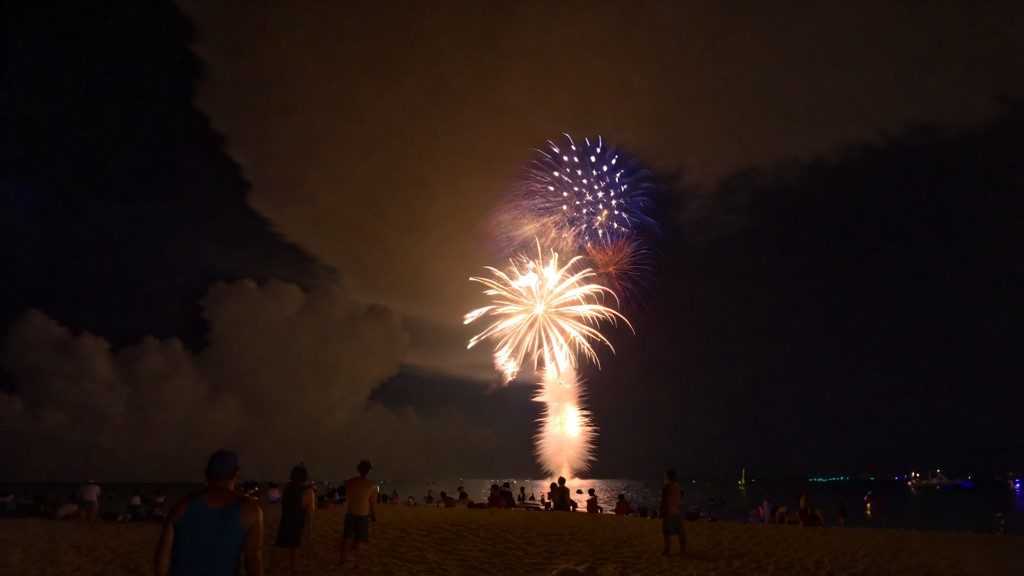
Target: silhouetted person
point(506, 493)
point(89, 501)
point(560, 498)
point(592, 506)
point(670, 510)
point(622, 505)
point(361, 494)
point(207, 532)
point(298, 502)
point(495, 499)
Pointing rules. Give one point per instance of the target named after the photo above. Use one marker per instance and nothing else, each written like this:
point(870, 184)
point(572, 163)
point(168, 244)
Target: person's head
point(590, 492)
point(444, 494)
point(553, 486)
point(363, 467)
point(222, 468)
point(578, 491)
point(670, 476)
point(506, 485)
point(561, 481)
point(494, 488)
point(621, 497)
point(299, 473)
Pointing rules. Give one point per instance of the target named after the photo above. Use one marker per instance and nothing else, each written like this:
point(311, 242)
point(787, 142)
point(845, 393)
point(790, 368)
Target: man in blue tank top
point(207, 532)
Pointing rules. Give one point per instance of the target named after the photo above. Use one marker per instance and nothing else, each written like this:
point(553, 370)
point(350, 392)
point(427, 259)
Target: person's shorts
point(670, 525)
point(88, 505)
point(357, 527)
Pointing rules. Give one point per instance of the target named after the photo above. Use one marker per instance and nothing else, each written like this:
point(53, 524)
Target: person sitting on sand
point(622, 506)
point(506, 493)
point(463, 496)
point(209, 531)
point(394, 498)
point(495, 499)
point(360, 512)
point(560, 498)
point(533, 497)
point(298, 503)
point(447, 501)
point(89, 501)
point(592, 507)
point(411, 501)
point(670, 510)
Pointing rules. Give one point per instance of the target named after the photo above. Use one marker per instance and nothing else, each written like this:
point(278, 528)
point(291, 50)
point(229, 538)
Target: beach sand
point(425, 540)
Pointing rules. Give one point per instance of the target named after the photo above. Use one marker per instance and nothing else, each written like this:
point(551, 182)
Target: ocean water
point(962, 509)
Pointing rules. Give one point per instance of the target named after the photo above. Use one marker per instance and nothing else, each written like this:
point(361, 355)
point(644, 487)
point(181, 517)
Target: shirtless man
point(671, 514)
point(362, 493)
point(208, 532)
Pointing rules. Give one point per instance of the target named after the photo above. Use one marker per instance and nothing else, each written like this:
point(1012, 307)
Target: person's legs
point(682, 539)
point(668, 545)
point(357, 545)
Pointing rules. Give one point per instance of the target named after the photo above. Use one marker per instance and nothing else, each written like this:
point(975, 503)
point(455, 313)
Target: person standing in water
point(362, 493)
point(208, 531)
point(670, 510)
point(298, 502)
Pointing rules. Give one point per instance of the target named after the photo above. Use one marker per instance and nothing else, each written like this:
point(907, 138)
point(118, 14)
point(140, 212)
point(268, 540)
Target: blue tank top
point(208, 541)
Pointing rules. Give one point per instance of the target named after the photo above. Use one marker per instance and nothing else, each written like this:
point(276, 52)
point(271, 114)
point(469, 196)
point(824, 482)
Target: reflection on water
point(891, 503)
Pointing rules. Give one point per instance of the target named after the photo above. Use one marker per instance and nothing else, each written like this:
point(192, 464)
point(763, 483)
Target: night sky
point(251, 225)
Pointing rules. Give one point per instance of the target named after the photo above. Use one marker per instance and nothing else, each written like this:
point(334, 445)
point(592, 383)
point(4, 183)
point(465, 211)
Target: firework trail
point(565, 442)
point(545, 316)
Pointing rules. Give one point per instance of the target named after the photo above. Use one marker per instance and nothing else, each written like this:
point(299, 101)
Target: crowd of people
point(84, 505)
point(216, 529)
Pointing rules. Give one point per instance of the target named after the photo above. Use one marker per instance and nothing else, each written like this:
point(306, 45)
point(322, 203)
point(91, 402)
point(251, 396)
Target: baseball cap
point(222, 464)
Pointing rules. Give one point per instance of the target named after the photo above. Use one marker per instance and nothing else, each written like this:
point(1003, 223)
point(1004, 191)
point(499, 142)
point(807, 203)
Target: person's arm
point(254, 541)
point(373, 509)
point(162, 562)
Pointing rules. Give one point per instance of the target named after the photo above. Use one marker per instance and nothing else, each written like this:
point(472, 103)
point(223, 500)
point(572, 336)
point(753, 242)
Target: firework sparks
point(587, 200)
point(580, 194)
point(544, 314)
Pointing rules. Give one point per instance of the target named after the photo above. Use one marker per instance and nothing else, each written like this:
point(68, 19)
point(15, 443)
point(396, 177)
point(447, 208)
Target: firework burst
point(580, 194)
point(585, 198)
point(545, 314)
